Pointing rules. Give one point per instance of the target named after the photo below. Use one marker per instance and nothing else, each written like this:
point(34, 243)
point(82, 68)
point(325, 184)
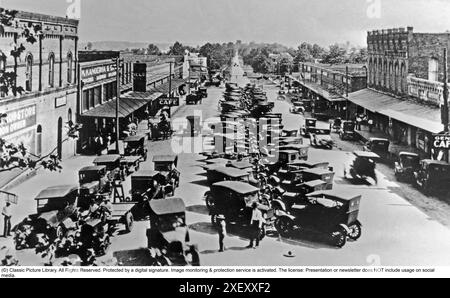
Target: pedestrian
point(358, 123)
point(222, 228)
point(99, 144)
point(255, 226)
point(370, 122)
point(7, 214)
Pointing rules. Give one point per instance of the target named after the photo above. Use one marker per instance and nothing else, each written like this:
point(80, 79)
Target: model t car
point(168, 236)
point(363, 166)
point(221, 173)
point(135, 146)
point(310, 123)
point(234, 200)
point(168, 164)
point(57, 214)
point(433, 176)
point(333, 214)
point(113, 167)
point(379, 146)
point(297, 108)
point(203, 92)
point(93, 180)
point(347, 130)
point(194, 98)
point(298, 196)
point(321, 138)
point(407, 164)
point(319, 174)
point(303, 150)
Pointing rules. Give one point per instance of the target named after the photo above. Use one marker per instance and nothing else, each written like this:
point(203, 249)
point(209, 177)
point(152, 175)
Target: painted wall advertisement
point(18, 127)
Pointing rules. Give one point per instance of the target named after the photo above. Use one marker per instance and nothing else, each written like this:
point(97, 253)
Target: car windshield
point(409, 161)
point(170, 222)
point(439, 169)
point(327, 202)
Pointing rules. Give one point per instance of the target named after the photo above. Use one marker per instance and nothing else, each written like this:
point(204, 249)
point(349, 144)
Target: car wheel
point(339, 238)
point(129, 222)
point(355, 231)
point(283, 226)
point(209, 201)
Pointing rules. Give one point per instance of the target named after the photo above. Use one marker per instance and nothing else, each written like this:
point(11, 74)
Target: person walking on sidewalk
point(255, 226)
point(7, 214)
point(222, 227)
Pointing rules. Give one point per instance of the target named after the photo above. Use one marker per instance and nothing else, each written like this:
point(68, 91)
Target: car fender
point(281, 203)
point(282, 214)
point(345, 227)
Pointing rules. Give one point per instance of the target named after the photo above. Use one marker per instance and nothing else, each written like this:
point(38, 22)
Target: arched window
point(403, 78)
point(51, 70)
point(69, 115)
point(69, 68)
point(29, 73)
point(39, 140)
point(2, 69)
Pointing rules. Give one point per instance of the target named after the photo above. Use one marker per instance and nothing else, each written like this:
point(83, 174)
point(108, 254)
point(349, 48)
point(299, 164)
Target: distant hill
point(122, 45)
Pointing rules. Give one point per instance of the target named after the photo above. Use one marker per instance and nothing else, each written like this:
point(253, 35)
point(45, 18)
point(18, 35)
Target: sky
point(288, 22)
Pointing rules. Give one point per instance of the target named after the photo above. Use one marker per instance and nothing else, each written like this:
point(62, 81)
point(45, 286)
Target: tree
point(14, 156)
point(153, 50)
point(335, 55)
point(358, 55)
point(177, 49)
point(89, 46)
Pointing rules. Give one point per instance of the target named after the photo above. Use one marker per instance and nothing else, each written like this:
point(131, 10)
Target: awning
point(164, 88)
point(319, 90)
point(129, 103)
point(415, 114)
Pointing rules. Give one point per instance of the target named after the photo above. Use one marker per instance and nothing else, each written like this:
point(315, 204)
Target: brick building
point(405, 85)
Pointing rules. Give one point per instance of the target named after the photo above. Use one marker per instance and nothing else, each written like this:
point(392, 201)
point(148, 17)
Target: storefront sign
point(60, 101)
point(172, 102)
point(17, 120)
point(441, 142)
point(96, 73)
point(140, 77)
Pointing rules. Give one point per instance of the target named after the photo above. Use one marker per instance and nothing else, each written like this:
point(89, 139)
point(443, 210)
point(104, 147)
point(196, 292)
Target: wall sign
point(17, 120)
point(60, 101)
point(173, 101)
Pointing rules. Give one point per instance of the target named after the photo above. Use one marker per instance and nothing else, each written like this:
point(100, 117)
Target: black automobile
point(135, 146)
point(379, 146)
point(433, 176)
point(406, 165)
point(310, 123)
point(333, 214)
point(321, 138)
point(347, 130)
point(363, 166)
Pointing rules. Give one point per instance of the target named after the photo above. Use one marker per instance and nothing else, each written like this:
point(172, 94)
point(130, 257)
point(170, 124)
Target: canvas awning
point(409, 112)
point(164, 88)
point(128, 104)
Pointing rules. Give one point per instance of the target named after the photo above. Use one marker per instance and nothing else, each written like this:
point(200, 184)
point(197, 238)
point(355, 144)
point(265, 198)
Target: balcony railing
point(427, 91)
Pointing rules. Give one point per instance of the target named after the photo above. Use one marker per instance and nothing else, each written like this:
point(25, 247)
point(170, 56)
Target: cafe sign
point(17, 120)
point(441, 142)
point(172, 101)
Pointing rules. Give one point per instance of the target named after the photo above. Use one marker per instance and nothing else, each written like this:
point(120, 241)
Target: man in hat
point(255, 226)
point(7, 214)
point(222, 228)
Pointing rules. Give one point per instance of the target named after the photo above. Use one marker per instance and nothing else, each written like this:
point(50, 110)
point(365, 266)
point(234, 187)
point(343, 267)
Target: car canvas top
point(339, 195)
point(238, 187)
point(92, 169)
point(231, 172)
point(241, 165)
point(55, 192)
point(366, 154)
point(314, 183)
point(107, 159)
point(168, 206)
point(435, 162)
point(145, 174)
point(165, 158)
point(317, 171)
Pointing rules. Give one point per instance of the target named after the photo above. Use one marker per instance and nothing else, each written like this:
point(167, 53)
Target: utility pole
point(346, 93)
point(117, 102)
point(445, 118)
point(170, 86)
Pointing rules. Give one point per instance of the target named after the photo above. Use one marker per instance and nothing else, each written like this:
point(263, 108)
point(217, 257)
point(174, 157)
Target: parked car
point(407, 164)
point(93, 180)
point(379, 146)
point(347, 131)
point(363, 166)
point(290, 199)
point(303, 150)
point(194, 98)
point(221, 173)
point(168, 163)
point(234, 200)
point(433, 176)
point(135, 146)
point(333, 214)
point(319, 174)
point(310, 123)
point(297, 110)
point(169, 233)
point(113, 167)
point(321, 138)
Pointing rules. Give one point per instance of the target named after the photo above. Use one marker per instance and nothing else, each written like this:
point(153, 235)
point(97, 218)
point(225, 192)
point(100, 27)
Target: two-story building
point(328, 85)
point(47, 72)
point(405, 85)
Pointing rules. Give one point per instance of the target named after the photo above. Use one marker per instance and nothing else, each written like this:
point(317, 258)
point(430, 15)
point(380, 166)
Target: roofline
point(32, 16)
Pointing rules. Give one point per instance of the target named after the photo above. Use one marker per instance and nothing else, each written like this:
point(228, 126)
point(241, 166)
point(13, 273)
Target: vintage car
point(93, 180)
point(333, 214)
point(319, 174)
point(147, 185)
point(168, 163)
point(287, 156)
point(305, 103)
point(94, 235)
point(321, 138)
point(287, 141)
point(282, 92)
point(168, 236)
point(433, 176)
point(407, 164)
point(296, 109)
point(234, 200)
point(113, 167)
point(379, 146)
point(289, 199)
point(221, 173)
point(203, 92)
point(135, 146)
point(194, 98)
point(305, 164)
point(303, 150)
point(130, 164)
point(289, 133)
point(290, 180)
point(310, 123)
point(336, 125)
point(58, 211)
point(363, 166)
point(347, 130)
point(242, 165)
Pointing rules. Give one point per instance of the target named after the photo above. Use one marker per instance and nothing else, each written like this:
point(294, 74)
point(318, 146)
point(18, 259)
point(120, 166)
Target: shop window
point(97, 96)
point(69, 68)
point(91, 99)
point(69, 116)
point(85, 101)
point(29, 73)
point(51, 70)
